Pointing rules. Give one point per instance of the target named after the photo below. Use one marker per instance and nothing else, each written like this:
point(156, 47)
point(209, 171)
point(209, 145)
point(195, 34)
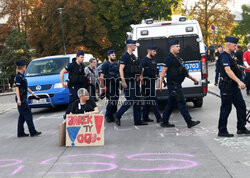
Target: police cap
point(111, 51)
point(230, 39)
point(21, 62)
point(130, 42)
point(173, 42)
point(79, 53)
point(151, 47)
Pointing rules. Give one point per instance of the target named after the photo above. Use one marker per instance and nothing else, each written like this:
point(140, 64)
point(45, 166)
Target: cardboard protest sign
point(82, 130)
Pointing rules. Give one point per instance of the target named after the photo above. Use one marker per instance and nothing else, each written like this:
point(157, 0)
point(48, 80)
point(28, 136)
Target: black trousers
point(248, 80)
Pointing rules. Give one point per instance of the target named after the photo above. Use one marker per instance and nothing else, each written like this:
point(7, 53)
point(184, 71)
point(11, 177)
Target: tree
point(17, 47)
point(213, 12)
point(82, 29)
point(118, 15)
point(242, 29)
point(18, 12)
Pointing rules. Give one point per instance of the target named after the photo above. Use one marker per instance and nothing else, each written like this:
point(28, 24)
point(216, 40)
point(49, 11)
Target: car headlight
point(58, 85)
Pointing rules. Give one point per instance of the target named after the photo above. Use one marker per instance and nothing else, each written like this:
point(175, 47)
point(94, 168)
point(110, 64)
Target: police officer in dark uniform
point(130, 77)
point(77, 78)
point(229, 90)
point(148, 77)
point(25, 114)
point(176, 74)
point(109, 80)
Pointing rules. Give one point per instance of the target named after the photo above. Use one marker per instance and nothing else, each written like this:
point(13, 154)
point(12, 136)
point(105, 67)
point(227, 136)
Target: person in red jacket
point(246, 59)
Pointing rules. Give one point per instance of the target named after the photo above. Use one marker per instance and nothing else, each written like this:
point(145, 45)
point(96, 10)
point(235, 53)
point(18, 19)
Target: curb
point(8, 93)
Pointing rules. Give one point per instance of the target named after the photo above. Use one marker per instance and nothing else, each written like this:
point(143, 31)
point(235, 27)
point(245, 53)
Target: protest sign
point(85, 130)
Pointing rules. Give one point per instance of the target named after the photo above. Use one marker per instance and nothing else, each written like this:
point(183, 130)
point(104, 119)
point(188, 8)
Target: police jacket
point(225, 60)
point(176, 72)
point(132, 65)
point(77, 76)
point(21, 82)
point(150, 67)
point(110, 70)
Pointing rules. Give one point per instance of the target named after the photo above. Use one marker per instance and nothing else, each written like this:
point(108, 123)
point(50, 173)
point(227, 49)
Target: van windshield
point(46, 67)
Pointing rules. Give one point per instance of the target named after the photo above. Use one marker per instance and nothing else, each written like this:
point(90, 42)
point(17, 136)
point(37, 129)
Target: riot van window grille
point(46, 67)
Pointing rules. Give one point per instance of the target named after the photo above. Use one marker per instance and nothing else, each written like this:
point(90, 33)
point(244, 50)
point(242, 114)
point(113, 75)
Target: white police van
point(192, 52)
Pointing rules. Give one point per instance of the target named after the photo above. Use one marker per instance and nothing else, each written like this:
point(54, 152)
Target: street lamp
point(61, 19)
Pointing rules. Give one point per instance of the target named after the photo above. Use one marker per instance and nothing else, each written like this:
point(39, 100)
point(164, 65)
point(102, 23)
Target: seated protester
point(84, 105)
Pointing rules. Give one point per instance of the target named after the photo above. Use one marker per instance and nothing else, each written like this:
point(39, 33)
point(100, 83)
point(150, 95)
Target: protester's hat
point(21, 62)
point(130, 42)
point(111, 51)
point(151, 47)
point(79, 53)
point(173, 42)
point(230, 39)
point(220, 46)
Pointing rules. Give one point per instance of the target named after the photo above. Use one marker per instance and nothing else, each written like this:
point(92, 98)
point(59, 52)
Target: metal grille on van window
point(144, 32)
point(41, 87)
point(189, 29)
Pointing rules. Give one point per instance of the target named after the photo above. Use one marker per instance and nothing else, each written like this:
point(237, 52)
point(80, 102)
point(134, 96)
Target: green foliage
point(17, 47)
point(91, 25)
point(118, 15)
point(242, 29)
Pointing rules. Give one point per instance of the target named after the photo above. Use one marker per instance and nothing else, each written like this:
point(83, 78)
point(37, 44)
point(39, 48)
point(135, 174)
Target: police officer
point(25, 114)
point(130, 78)
point(176, 74)
point(148, 76)
point(77, 78)
point(229, 90)
point(110, 73)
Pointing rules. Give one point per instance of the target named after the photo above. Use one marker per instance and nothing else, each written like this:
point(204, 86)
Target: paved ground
point(129, 151)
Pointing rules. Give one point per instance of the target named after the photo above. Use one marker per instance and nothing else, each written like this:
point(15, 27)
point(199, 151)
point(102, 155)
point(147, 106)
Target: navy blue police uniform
point(176, 74)
point(77, 80)
point(111, 76)
point(230, 94)
point(148, 88)
point(24, 110)
point(132, 92)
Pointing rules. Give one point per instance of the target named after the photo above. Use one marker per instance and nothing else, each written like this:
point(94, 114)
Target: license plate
point(40, 101)
point(193, 66)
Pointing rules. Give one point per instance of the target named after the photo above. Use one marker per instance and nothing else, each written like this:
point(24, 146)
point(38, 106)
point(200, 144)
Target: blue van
point(43, 77)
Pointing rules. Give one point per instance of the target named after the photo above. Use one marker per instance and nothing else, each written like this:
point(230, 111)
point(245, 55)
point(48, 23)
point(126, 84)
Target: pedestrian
point(217, 55)
point(246, 59)
point(175, 73)
point(85, 104)
point(212, 51)
point(149, 75)
point(109, 81)
point(130, 78)
point(25, 114)
point(92, 75)
point(76, 80)
point(239, 58)
point(230, 85)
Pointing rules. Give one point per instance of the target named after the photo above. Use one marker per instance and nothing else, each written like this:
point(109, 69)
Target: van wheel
point(198, 102)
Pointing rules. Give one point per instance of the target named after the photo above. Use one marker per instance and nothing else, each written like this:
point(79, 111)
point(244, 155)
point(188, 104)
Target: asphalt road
point(129, 151)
